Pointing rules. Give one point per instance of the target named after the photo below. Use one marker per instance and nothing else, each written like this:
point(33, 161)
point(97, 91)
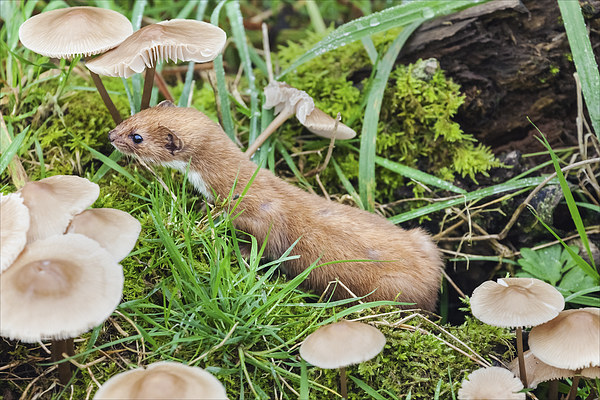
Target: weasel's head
point(160, 134)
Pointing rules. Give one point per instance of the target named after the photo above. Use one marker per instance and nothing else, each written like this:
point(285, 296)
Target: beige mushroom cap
point(163, 380)
point(538, 371)
point(176, 39)
point(58, 288)
point(323, 125)
point(516, 302)
point(285, 98)
point(491, 383)
point(14, 224)
point(341, 344)
point(570, 341)
point(115, 230)
point(53, 201)
point(67, 32)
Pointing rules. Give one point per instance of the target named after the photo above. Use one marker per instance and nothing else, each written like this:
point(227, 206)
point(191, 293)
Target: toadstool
point(491, 383)
point(14, 223)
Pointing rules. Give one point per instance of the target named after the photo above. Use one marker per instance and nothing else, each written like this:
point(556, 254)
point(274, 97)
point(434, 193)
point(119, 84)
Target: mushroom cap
point(58, 288)
point(491, 383)
point(321, 124)
point(285, 97)
point(570, 341)
point(516, 302)
point(53, 201)
point(176, 39)
point(14, 224)
point(341, 344)
point(162, 380)
point(67, 32)
point(115, 230)
point(538, 371)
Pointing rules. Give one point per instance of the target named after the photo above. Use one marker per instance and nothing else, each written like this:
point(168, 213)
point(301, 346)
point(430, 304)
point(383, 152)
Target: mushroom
point(570, 341)
point(14, 223)
point(341, 344)
point(491, 383)
point(53, 201)
point(538, 371)
point(77, 31)
point(58, 288)
point(115, 230)
point(289, 101)
point(162, 380)
point(176, 39)
point(516, 303)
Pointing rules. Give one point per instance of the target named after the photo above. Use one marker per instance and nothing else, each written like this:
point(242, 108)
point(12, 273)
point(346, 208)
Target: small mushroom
point(14, 223)
point(570, 341)
point(115, 230)
point(53, 201)
point(538, 371)
point(77, 31)
point(176, 39)
point(58, 288)
point(491, 383)
point(516, 303)
point(341, 344)
point(288, 101)
point(162, 380)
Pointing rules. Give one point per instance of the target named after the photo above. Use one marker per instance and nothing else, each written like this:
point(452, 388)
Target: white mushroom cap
point(14, 223)
point(571, 340)
point(58, 288)
point(323, 125)
point(341, 344)
point(163, 380)
point(115, 230)
point(491, 383)
point(538, 371)
point(516, 302)
point(67, 32)
point(288, 99)
point(176, 39)
point(53, 201)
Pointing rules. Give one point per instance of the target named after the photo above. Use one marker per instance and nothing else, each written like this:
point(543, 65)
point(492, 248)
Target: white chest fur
point(193, 177)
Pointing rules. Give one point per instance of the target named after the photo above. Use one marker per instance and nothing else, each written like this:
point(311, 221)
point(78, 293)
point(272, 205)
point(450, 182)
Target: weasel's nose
point(111, 136)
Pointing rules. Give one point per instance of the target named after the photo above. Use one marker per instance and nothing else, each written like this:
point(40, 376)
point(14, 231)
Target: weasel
point(406, 265)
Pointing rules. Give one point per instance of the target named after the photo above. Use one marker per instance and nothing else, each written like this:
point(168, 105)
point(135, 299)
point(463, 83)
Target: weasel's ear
point(166, 103)
point(173, 143)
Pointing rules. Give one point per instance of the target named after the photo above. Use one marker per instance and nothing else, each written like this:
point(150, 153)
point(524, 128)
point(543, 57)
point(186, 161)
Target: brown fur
point(326, 229)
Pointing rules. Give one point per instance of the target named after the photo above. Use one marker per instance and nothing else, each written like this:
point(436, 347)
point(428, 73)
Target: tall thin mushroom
point(176, 39)
point(77, 31)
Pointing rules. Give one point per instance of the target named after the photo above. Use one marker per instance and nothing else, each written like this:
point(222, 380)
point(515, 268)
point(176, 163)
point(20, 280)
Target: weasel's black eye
point(136, 138)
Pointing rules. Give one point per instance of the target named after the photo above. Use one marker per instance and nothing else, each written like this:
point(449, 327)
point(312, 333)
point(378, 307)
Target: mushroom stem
point(162, 87)
point(64, 369)
point(522, 371)
point(116, 116)
point(553, 390)
point(573, 391)
point(148, 83)
point(343, 386)
point(276, 123)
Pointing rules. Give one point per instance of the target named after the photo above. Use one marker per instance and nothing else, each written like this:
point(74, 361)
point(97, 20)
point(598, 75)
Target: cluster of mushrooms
point(563, 343)
point(60, 274)
point(93, 31)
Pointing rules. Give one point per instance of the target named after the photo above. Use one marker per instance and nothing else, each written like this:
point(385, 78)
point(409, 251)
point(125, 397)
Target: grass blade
point(417, 175)
point(366, 388)
point(400, 15)
point(239, 37)
point(11, 151)
point(368, 136)
point(471, 196)
point(584, 59)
